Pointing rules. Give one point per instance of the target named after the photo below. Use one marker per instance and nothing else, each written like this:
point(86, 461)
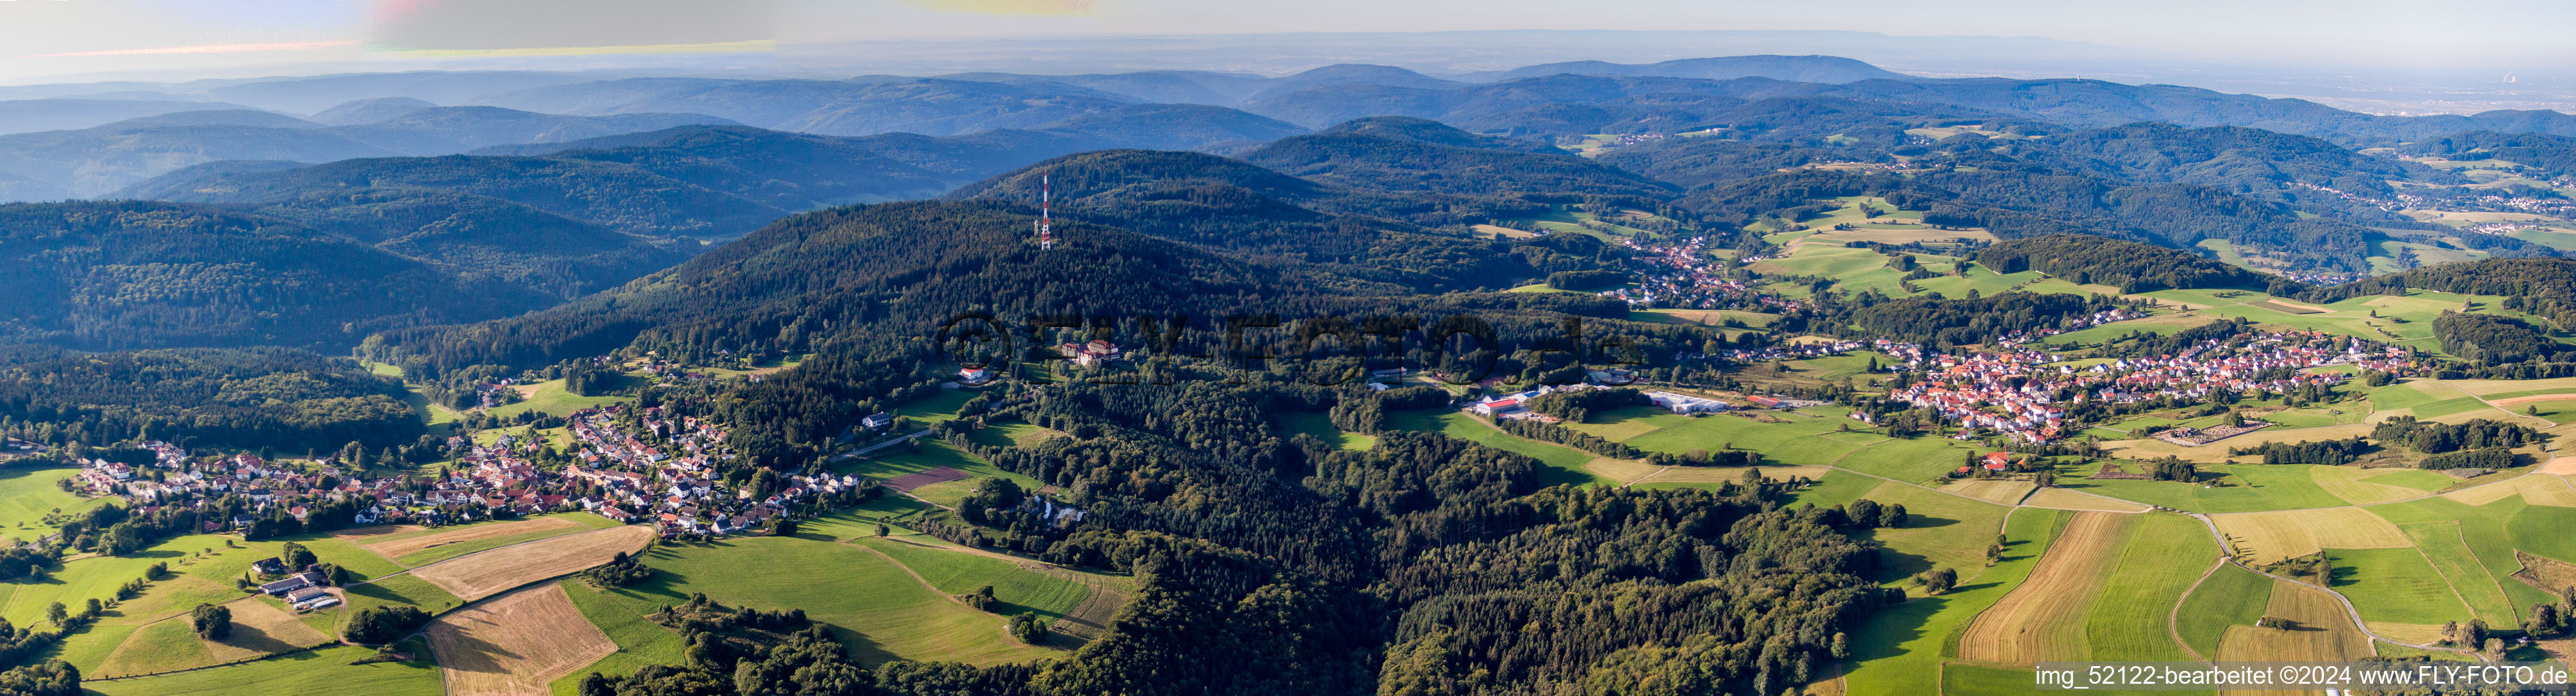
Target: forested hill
point(1411, 154)
point(139, 274)
point(291, 400)
point(1411, 242)
point(862, 275)
point(2130, 266)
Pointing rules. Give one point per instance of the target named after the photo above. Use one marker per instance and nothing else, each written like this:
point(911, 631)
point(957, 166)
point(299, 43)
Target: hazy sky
point(63, 37)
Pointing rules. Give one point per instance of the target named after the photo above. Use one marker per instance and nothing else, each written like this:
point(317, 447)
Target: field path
point(934, 589)
point(2173, 619)
point(1095, 610)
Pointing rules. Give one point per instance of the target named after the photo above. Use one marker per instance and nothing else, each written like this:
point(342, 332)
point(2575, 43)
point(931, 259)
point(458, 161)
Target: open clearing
point(2043, 619)
point(395, 547)
point(2271, 536)
point(515, 644)
point(484, 574)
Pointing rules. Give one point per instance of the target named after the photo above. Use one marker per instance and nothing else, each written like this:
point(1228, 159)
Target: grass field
point(2231, 596)
point(28, 494)
point(1565, 463)
point(550, 398)
point(324, 672)
point(1321, 426)
point(2043, 619)
point(2361, 486)
point(2164, 556)
point(958, 572)
point(898, 617)
point(1941, 530)
point(1899, 651)
point(2395, 586)
point(2447, 549)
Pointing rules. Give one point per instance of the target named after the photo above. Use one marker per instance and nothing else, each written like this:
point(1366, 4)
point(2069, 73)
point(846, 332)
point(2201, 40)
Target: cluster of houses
point(662, 474)
point(1682, 275)
point(2014, 392)
point(1786, 351)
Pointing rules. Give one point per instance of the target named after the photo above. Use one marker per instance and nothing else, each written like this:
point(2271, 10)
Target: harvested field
point(2318, 631)
point(2419, 634)
point(908, 482)
point(2561, 466)
point(515, 644)
point(260, 628)
point(2548, 574)
point(2063, 499)
point(2272, 536)
point(2520, 400)
point(479, 575)
point(2536, 489)
point(361, 534)
point(2308, 308)
point(2043, 619)
point(405, 546)
point(1995, 491)
point(1713, 474)
point(1622, 471)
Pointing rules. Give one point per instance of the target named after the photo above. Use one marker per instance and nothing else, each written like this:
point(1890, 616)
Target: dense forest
point(248, 398)
point(128, 274)
point(2130, 266)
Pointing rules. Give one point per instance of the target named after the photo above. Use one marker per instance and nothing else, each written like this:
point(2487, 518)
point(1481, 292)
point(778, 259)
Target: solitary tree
point(212, 622)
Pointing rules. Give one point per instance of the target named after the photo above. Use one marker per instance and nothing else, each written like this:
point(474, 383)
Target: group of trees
point(2430, 437)
point(2326, 452)
point(383, 624)
point(2495, 339)
point(1578, 405)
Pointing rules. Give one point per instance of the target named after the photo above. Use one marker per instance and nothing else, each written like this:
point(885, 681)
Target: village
point(1681, 275)
point(2015, 391)
point(651, 469)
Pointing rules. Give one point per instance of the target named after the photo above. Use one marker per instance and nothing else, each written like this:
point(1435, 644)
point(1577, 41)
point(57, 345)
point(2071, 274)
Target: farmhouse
point(292, 583)
point(1685, 404)
point(877, 420)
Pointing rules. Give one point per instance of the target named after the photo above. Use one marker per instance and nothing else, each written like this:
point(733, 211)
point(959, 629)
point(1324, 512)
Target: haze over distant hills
point(556, 185)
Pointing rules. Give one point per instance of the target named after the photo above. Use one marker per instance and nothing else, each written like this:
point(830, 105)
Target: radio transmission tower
point(1046, 218)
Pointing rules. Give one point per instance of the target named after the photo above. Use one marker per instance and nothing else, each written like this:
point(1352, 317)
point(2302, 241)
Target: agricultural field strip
point(2348, 607)
point(407, 571)
point(2173, 618)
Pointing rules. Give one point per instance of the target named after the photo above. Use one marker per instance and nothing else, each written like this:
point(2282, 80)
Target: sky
point(44, 39)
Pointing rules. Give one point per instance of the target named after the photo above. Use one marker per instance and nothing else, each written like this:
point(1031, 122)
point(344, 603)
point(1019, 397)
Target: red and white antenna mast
point(1046, 217)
